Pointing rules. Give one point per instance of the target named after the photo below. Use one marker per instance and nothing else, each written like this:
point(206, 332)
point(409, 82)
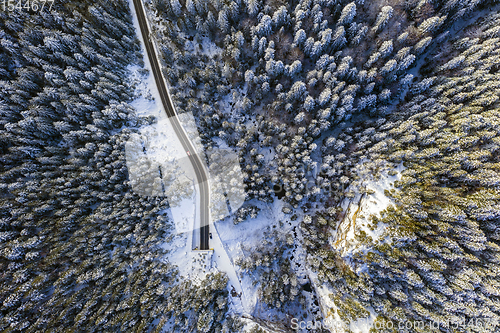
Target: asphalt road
point(169, 108)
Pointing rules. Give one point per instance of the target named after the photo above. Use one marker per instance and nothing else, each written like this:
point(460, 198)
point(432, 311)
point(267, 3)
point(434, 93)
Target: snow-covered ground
point(189, 125)
point(360, 208)
point(227, 188)
point(145, 101)
point(222, 262)
point(358, 211)
point(247, 234)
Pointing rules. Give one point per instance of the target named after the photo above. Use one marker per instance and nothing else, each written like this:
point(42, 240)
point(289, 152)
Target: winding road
point(168, 106)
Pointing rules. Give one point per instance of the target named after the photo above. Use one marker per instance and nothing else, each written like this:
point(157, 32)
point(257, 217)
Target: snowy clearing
point(360, 208)
point(249, 234)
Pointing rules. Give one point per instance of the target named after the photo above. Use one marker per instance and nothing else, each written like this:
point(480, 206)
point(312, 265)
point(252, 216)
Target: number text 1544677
point(33, 5)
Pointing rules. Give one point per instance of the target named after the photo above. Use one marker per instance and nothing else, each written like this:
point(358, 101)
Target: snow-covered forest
point(80, 251)
point(342, 93)
point(324, 102)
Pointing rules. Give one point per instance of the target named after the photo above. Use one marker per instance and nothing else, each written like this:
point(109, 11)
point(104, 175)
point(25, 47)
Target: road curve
point(169, 108)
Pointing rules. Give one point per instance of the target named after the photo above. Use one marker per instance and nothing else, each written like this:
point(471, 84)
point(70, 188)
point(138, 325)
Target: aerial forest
point(321, 99)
